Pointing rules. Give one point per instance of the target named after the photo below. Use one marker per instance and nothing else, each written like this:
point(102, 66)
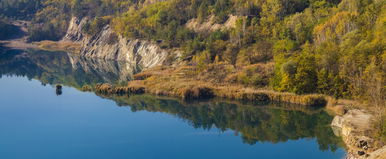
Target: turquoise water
point(37, 122)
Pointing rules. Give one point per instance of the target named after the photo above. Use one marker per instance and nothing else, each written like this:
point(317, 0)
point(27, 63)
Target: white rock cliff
point(110, 46)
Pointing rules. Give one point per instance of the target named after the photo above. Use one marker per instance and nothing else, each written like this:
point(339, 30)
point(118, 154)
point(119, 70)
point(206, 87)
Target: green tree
point(306, 77)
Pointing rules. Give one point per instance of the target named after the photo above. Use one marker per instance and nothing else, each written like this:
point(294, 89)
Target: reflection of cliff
point(109, 71)
point(63, 68)
point(270, 123)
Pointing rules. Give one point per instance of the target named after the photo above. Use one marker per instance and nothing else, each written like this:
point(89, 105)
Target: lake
point(39, 122)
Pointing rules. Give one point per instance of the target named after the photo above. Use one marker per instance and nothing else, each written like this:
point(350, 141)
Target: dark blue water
point(38, 123)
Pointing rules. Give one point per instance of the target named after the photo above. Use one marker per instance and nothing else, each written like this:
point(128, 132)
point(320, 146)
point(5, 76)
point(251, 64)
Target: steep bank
point(110, 46)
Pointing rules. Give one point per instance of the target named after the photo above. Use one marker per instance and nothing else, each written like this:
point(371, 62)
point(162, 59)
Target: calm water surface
point(38, 122)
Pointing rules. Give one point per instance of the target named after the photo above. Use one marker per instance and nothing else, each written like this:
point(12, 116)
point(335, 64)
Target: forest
point(332, 47)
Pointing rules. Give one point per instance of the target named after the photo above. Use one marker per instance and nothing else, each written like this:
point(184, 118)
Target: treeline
point(19, 9)
point(333, 47)
point(51, 21)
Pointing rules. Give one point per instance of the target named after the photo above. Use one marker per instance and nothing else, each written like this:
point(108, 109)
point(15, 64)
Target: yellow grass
point(110, 89)
point(186, 83)
point(58, 46)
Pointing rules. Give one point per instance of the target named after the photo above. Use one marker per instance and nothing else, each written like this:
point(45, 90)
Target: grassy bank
point(65, 46)
point(186, 83)
point(191, 91)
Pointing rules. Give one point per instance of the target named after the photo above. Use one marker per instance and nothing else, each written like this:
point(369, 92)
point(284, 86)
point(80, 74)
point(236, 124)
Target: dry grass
point(235, 92)
point(142, 76)
point(185, 82)
point(156, 71)
point(87, 88)
point(379, 124)
point(341, 106)
point(183, 89)
point(334, 107)
point(58, 46)
point(110, 89)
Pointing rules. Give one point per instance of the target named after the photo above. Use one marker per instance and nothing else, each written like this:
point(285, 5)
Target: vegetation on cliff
point(19, 9)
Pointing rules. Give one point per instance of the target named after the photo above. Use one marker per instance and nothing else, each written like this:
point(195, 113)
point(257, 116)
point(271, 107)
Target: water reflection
point(62, 68)
point(272, 123)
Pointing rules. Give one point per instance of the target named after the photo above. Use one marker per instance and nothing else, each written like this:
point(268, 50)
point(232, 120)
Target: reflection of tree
point(255, 123)
point(62, 68)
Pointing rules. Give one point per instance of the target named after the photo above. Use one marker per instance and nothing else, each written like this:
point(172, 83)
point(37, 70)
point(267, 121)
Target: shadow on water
point(11, 31)
point(254, 122)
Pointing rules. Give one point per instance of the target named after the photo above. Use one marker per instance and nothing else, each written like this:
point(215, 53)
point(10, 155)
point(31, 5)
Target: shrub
point(96, 25)
point(86, 88)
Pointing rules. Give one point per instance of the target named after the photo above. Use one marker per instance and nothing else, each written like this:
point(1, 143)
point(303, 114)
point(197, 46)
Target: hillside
point(318, 46)
point(330, 47)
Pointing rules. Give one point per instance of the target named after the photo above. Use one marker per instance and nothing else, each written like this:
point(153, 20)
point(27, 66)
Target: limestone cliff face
point(74, 31)
point(110, 46)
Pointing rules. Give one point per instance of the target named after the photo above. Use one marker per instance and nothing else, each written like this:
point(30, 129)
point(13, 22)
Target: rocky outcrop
point(354, 127)
point(74, 31)
point(210, 25)
point(108, 45)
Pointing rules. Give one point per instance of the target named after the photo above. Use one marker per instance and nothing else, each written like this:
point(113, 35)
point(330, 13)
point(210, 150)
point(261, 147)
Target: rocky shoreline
point(354, 127)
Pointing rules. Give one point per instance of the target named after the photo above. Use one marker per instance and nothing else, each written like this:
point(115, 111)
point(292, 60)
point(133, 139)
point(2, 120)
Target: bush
point(289, 67)
point(96, 25)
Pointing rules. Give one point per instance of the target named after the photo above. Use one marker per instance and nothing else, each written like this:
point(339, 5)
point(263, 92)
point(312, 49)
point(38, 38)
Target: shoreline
point(206, 92)
point(171, 81)
point(21, 41)
point(352, 117)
